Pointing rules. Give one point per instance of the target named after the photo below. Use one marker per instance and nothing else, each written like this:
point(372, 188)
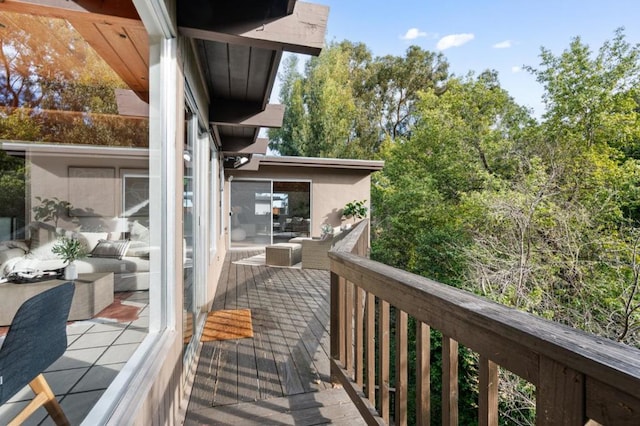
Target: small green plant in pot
point(69, 249)
point(326, 230)
point(355, 209)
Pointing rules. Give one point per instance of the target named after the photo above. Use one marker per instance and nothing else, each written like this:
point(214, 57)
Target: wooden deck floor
point(281, 375)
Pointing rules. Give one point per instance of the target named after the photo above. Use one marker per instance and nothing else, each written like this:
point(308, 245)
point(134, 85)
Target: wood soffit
point(239, 44)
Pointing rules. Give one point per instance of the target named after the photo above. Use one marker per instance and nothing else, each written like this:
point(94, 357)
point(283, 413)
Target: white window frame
point(121, 400)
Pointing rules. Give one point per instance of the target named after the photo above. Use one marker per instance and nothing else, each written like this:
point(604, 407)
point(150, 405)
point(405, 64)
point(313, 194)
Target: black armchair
point(36, 338)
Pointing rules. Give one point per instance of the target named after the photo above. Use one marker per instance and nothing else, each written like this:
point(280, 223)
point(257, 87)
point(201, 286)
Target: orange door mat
point(227, 324)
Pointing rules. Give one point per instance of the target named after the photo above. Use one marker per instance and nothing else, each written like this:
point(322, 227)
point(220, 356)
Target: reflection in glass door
point(188, 235)
point(265, 212)
point(291, 210)
point(250, 213)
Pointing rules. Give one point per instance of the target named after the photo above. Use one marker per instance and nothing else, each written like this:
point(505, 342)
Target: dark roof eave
point(314, 162)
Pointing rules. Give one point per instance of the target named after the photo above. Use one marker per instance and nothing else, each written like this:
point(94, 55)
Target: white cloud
point(413, 33)
point(503, 45)
point(454, 40)
point(516, 68)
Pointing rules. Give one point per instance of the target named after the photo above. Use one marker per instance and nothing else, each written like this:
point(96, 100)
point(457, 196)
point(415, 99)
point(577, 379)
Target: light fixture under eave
point(187, 156)
point(240, 161)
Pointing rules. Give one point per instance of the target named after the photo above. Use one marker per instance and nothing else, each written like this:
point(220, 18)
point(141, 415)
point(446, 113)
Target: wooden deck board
point(269, 381)
point(330, 406)
point(284, 310)
point(281, 375)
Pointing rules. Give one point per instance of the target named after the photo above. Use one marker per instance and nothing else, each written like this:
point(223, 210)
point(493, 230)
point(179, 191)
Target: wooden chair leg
point(44, 397)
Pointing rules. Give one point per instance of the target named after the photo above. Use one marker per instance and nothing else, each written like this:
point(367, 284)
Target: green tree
point(347, 104)
point(285, 139)
point(398, 81)
point(12, 183)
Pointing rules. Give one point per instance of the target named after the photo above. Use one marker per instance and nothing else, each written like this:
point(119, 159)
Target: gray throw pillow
point(113, 249)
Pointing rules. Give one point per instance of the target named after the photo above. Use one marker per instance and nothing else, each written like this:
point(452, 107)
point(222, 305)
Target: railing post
point(487, 392)
point(402, 368)
point(371, 347)
point(348, 327)
point(423, 374)
point(383, 332)
point(359, 335)
point(449, 381)
point(560, 395)
point(335, 326)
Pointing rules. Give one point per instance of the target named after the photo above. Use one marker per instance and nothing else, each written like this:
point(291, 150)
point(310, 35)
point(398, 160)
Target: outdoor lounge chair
point(36, 338)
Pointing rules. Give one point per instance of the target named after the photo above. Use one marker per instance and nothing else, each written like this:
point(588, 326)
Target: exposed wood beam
point(290, 5)
point(273, 74)
point(130, 104)
point(111, 27)
point(246, 114)
point(252, 166)
point(303, 31)
point(228, 11)
point(111, 11)
point(245, 146)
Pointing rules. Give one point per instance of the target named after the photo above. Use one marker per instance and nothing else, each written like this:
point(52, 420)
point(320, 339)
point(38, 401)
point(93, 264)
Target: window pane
point(73, 164)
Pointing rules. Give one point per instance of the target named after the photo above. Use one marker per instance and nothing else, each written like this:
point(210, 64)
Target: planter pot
point(70, 272)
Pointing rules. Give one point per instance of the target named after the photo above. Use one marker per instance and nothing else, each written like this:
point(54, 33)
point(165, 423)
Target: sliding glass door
point(250, 217)
point(265, 211)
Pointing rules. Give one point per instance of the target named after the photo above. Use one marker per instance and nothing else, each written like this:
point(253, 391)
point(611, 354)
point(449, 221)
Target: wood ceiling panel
point(113, 44)
point(259, 72)
point(140, 40)
point(111, 27)
point(239, 59)
point(117, 38)
point(217, 60)
point(237, 132)
point(228, 12)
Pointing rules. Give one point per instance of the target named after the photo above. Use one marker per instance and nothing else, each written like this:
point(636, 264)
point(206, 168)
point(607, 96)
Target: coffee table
point(93, 293)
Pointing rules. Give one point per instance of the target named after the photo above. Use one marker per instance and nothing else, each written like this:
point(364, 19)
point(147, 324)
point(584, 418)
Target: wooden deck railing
point(579, 378)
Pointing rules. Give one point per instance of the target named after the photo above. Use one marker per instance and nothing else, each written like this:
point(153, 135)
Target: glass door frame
point(271, 184)
point(198, 144)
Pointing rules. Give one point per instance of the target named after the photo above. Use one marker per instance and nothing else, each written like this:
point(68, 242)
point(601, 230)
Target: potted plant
point(326, 230)
point(69, 249)
point(355, 209)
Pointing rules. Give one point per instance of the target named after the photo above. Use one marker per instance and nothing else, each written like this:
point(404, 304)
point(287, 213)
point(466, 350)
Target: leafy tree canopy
point(347, 103)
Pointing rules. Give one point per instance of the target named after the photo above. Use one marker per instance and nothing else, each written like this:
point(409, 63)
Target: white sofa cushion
point(139, 232)
point(138, 249)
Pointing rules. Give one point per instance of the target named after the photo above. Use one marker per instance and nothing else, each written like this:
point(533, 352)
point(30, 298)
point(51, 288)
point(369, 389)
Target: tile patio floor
point(97, 350)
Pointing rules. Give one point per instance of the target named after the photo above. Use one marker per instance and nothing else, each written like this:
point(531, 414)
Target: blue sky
point(503, 34)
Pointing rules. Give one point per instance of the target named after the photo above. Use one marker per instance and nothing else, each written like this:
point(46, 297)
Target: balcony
point(281, 376)
point(313, 329)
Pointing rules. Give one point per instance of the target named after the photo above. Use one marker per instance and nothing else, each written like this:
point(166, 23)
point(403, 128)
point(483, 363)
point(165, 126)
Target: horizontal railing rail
point(579, 378)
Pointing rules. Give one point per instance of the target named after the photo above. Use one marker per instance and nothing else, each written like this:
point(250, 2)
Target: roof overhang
point(314, 162)
point(238, 44)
